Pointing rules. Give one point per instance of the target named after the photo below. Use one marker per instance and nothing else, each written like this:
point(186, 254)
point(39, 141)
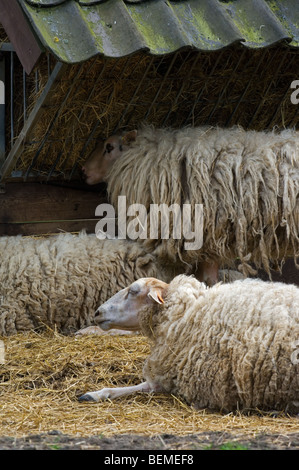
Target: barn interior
point(120, 64)
point(71, 73)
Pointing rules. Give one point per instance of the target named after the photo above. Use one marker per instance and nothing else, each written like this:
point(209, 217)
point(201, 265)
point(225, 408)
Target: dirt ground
point(55, 440)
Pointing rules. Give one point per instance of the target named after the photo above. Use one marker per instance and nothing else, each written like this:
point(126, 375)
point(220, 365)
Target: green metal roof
point(75, 30)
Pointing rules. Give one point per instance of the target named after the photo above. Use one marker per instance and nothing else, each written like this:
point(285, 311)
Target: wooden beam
point(18, 29)
point(34, 208)
point(31, 121)
point(2, 108)
point(47, 228)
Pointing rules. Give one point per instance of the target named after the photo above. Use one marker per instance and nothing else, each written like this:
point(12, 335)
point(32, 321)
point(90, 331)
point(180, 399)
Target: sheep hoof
point(86, 397)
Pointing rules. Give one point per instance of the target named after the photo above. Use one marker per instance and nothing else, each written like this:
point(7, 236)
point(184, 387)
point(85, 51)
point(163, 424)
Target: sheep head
point(99, 163)
point(122, 311)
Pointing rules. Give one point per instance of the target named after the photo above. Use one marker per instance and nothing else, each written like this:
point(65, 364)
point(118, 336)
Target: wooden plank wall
point(36, 208)
point(41, 209)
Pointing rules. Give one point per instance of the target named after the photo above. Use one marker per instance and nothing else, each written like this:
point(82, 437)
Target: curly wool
point(232, 346)
point(60, 281)
point(247, 181)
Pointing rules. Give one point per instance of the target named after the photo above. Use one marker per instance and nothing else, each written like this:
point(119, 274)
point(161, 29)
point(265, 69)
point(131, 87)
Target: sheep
point(58, 281)
point(225, 275)
point(247, 182)
point(105, 153)
point(92, 172)
point(227, 347)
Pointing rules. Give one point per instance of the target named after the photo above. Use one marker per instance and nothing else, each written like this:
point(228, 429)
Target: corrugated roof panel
point(158, 26)
point(75, 30)
point(90, 2)
point(63, 31)
point(287, 13)
point(112, 29)
point(45, 3)
point(257, 22)
point(205, 24)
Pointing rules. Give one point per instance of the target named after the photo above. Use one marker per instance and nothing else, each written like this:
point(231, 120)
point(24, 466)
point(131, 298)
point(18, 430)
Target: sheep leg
point(208, 273)
point(119, 391)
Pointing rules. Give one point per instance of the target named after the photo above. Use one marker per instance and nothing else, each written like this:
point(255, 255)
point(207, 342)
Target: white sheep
point(247, 181)
point(60, 280)
point(228, 347)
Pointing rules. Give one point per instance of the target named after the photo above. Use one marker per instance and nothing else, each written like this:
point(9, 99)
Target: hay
point(45, 373)
point(33, 87)
point(231, 86)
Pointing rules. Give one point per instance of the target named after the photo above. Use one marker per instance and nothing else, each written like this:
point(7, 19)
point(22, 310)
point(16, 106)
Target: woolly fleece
point(232, 346)
point(60, 281)
point(247, 181)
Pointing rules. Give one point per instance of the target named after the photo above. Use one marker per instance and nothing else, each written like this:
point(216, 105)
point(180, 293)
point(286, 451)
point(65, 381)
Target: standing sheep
point(59, 281)
point(247, 182)
point(232, 346)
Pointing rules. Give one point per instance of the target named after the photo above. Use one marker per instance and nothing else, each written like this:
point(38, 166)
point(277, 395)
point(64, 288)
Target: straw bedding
point(43, 375)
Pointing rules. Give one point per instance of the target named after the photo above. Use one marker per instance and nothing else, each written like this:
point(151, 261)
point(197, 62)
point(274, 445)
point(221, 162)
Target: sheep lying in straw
point(247, 182)
point(231, 346)
point(59, 281)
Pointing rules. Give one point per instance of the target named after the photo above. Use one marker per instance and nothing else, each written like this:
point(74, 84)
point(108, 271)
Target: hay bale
point(231, 86)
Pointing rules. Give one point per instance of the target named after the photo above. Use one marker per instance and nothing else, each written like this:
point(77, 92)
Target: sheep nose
point(99, 312)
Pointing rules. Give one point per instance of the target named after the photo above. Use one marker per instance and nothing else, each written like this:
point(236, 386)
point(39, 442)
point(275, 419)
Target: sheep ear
point(129, 137)
point(156, 295)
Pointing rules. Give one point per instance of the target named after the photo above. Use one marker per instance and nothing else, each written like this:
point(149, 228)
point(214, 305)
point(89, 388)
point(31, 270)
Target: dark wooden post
point(2, 108)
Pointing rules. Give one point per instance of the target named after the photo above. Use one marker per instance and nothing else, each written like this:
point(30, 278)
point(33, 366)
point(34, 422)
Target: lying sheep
point(232, 346)
point(59, 281)
point(247, 182)
point(225, 275)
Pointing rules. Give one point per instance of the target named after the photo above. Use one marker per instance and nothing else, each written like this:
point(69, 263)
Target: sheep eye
point(109, 148)
point(134, 290)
